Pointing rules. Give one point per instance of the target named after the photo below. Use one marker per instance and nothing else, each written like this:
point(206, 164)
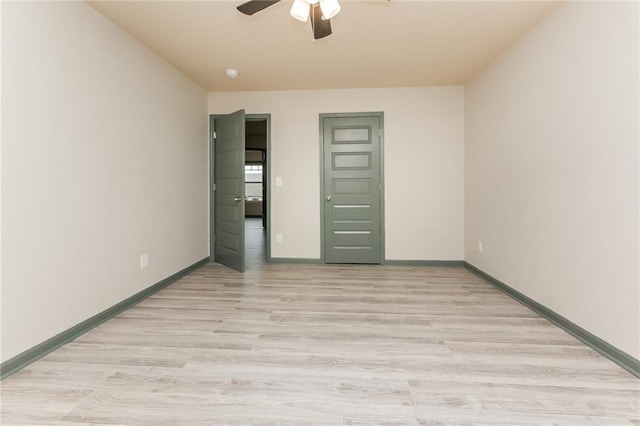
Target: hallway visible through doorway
point(254, 243)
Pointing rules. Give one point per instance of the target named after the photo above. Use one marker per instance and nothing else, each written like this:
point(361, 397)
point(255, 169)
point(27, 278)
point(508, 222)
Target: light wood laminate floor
point(289, 344)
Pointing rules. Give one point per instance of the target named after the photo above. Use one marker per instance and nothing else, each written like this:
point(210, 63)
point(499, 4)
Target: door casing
point(267, 176)
point(380, 116)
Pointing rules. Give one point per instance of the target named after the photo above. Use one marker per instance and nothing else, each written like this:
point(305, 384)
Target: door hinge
point(380, 132)
point(215, 135)
point(213, 187)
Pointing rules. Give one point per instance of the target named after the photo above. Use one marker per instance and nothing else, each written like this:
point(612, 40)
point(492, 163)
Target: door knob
point(236, 199)
point(328, 197)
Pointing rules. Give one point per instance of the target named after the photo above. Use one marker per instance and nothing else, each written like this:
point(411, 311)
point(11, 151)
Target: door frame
point(267, 176)
point(380, 116)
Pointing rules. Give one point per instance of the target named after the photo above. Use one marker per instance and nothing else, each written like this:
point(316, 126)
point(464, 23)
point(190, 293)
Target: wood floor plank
point(32, 405)
point(472, 417)
point(526, 399)
point(89, 376)
point(173, 339)
point(161, 408)
point(108, 353)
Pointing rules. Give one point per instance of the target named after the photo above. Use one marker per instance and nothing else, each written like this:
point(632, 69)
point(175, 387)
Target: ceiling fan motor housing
point(320, 11)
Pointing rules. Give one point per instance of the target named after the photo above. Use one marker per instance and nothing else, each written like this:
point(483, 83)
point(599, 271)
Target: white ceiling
point(374, 43)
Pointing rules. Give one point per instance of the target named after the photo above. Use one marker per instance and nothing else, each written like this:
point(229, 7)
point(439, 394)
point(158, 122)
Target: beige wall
point(552, 168)
point(104, 158)
point(423, 172)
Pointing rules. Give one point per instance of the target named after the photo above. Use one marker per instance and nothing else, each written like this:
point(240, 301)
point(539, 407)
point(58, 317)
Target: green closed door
point(229, 193)
point(352, 202)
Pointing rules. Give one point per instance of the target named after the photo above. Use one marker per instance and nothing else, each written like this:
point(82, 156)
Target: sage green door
point(352, 189)
point(229, 193)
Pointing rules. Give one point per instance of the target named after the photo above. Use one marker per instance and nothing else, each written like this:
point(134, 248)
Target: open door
point(229, 194)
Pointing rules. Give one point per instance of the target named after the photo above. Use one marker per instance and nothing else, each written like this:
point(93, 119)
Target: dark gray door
point(352, 189)
point(229, 194)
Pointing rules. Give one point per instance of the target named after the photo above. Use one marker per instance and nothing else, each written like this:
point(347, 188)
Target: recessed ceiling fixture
point(320, 11)
point(231, 73)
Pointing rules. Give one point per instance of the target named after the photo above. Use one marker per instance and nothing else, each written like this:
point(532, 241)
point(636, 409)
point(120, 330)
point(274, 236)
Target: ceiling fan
point(320, 11)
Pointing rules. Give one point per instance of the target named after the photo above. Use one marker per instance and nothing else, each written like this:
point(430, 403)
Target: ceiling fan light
point(330, 8)
point(300, 10)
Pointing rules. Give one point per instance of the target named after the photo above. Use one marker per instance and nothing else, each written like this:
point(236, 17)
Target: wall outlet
point(144, 261)
point(278, 181)
point(278, 238)
point(480, 246)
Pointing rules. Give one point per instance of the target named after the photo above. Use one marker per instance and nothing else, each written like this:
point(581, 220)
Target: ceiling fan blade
point(253, 6)
point(321, 27)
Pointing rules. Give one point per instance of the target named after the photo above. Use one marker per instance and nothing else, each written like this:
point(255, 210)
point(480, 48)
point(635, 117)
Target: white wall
point(552, 168)
point(104, 157)
point(423, 170)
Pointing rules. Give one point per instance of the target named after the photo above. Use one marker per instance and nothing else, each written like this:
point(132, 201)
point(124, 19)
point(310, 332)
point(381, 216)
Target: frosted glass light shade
point(330, 8)
point(300, 10)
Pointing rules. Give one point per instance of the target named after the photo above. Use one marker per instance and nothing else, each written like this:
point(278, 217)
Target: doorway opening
point(256, 194)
